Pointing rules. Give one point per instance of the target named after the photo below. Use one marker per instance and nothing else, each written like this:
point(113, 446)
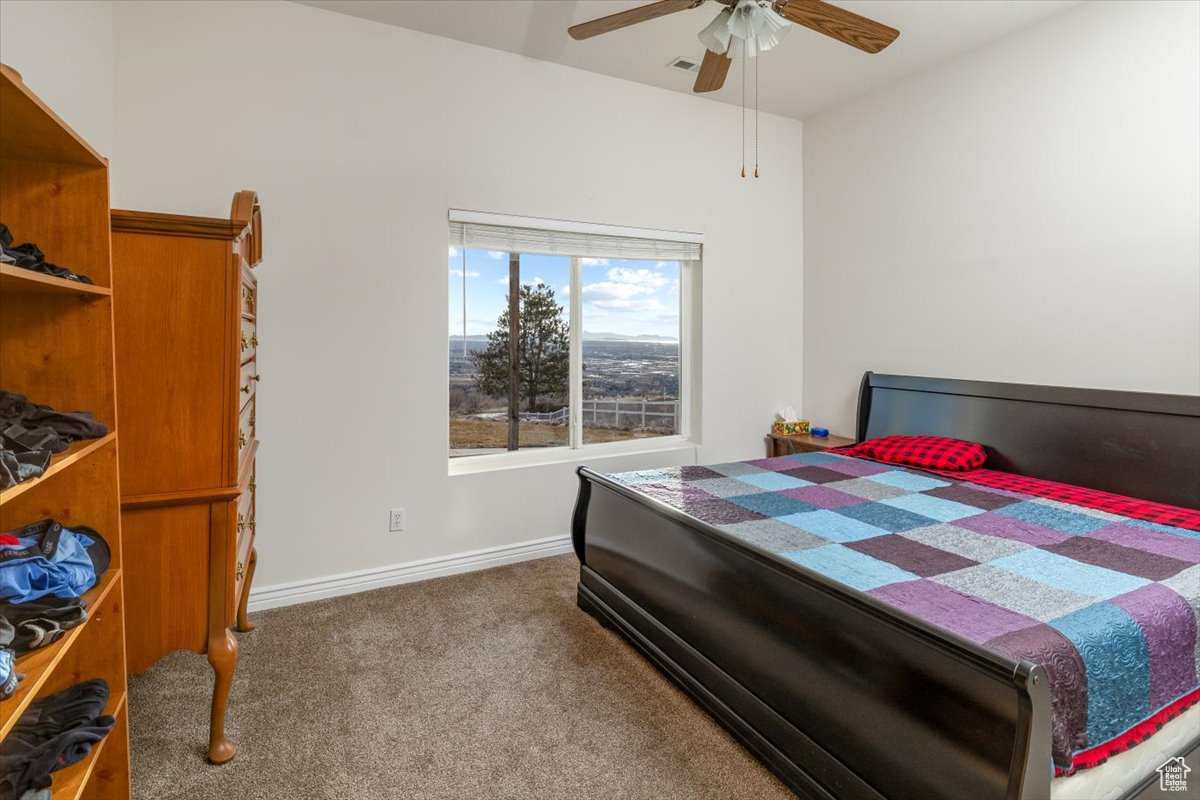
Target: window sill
point(470, 465)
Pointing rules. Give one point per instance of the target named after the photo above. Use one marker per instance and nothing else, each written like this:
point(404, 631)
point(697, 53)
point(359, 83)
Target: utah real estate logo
point(1172, 775)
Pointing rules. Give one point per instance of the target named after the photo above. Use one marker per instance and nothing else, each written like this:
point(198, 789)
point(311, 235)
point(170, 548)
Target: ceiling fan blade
point(586, 30)
point(713, 70)
point(838, 23)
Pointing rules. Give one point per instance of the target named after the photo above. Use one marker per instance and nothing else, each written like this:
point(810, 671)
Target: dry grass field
point(481, 433)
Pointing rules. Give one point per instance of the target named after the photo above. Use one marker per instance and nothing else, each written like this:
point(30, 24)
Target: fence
point(616, 412)
point(553, 417)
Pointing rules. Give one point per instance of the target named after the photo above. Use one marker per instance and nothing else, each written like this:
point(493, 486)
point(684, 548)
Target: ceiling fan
point(748, 27)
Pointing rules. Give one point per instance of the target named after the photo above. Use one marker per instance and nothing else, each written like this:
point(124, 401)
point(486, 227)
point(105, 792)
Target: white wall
point(1028, 212)
point(358, 137)
point(64, 52)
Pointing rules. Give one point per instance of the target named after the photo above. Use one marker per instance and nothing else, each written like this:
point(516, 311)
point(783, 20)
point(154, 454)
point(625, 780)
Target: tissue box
point(796, 427)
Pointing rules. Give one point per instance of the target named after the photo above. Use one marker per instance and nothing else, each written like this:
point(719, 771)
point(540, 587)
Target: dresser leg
point(222, 655)
point(244, 625)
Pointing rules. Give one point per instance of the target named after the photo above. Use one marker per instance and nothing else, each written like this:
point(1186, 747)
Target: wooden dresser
point(186, 379)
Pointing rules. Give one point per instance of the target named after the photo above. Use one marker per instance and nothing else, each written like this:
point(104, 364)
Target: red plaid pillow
point(930, 452)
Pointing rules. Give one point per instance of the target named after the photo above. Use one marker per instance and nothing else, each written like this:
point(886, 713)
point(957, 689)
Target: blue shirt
point(69, 574)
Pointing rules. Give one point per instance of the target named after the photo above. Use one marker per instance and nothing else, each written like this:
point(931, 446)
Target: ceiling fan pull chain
point(756, 117)
point(743, 115)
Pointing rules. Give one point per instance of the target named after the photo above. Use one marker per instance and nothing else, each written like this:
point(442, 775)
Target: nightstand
point(787, 445)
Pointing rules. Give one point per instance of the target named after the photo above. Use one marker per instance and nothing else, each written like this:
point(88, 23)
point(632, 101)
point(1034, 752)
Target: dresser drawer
point(245, 514)
point(245, 535)
point(246, 426)
point(249, 381)
point(249, 340)
point(241, 568)
point(249, 299)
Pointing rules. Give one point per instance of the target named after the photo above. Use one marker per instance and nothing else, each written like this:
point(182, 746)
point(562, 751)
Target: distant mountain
point(588, 336)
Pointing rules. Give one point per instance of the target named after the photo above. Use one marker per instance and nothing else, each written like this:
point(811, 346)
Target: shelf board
point(68, 783)
point(39, 664)
point(58, 462)
point(15, 280)
point(30, 131)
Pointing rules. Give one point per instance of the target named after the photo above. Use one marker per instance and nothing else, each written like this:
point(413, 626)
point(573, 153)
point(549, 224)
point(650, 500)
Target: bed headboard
point(1131, 443)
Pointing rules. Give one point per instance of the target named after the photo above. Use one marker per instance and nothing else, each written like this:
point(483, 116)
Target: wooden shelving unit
point(56, 347)
point(17, 280)
point(58, 462)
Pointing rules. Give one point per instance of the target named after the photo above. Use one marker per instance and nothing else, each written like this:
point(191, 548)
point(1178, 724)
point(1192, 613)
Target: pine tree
point(543, 366)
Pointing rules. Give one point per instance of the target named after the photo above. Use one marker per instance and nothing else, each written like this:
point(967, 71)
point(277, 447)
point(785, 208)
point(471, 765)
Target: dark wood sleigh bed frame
point(841, 695)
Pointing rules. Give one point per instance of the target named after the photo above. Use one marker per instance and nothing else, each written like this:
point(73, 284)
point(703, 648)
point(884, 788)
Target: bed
point(844, 695)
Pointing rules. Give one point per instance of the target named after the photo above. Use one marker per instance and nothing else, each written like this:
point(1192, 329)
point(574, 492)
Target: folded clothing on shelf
point(8, 667)
point(28, 256)
point(17, 467)
point(30, 433)
point(41, 622)
point(51, 560)
point(54, 732)
point(28, 427)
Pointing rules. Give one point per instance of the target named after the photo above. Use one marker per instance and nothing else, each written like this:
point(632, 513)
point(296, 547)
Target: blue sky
point(620, 296)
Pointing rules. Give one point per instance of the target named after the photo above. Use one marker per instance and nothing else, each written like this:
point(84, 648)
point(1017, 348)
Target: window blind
point(520, 239)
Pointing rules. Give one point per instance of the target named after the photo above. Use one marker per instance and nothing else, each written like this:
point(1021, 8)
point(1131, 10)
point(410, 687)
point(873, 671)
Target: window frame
point(687, 433)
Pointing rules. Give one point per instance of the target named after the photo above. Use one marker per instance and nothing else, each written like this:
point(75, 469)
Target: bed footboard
point(840, 695)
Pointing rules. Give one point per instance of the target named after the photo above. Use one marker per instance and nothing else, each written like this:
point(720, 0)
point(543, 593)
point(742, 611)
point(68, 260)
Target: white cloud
point(458, 273)
point(628, 291)
point(645, 279)
point(622, 304)
point(503, 281)
point(453, 251)
point(496, 255)
point(538, 281)
point(621, 297)
point(594, 262)
point(608, 290)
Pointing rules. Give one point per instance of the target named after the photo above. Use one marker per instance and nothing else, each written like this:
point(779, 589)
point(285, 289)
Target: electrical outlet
point(396, 520)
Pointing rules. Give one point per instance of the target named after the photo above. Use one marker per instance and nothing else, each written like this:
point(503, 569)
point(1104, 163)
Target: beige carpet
point(486, 685)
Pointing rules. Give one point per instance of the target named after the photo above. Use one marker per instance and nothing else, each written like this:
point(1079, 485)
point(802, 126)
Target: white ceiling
point(806, 74)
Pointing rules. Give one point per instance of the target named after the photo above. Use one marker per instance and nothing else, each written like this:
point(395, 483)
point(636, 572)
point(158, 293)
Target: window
point(564, 335)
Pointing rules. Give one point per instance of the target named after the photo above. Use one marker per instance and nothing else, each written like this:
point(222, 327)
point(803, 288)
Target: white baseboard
point(304, 591)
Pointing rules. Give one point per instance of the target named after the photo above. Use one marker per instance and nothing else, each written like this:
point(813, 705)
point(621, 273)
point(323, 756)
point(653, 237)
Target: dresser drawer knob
point(240, 571)
point(254, 340)
point(255, 378)
point(245, 344)
point(246, 389)
point(253, 524)
point(241, 523)
point(241, 438)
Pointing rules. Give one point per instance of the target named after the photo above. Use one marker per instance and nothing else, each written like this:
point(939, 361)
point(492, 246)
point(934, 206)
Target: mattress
point(1107, 604)
point(1124, 771)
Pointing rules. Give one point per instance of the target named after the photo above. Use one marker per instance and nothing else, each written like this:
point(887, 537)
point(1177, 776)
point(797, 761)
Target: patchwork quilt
point(1108, 605)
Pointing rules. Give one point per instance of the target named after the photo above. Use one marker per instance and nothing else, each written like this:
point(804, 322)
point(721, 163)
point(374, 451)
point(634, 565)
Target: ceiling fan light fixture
point(744, 31)
point(715, 36)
